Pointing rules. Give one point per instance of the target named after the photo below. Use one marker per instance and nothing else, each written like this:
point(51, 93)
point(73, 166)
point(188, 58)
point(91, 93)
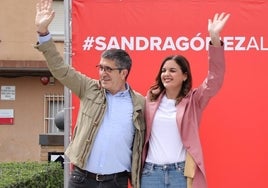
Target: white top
point(165, 145)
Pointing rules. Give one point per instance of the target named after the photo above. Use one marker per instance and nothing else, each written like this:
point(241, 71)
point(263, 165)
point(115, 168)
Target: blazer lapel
point(151, 108)
point(180, 112)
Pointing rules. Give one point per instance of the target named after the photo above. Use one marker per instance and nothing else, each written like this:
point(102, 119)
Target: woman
point(172, 154)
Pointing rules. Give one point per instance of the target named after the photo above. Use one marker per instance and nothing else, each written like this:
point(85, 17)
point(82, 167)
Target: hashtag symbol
point(88, 43)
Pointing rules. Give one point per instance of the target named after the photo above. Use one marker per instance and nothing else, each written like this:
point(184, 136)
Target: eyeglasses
point(107, 68)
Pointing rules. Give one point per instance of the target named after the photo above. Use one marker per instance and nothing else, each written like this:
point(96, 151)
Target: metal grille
point(53, 103)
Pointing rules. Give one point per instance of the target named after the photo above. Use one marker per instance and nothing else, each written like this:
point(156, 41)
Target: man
point(110, 128)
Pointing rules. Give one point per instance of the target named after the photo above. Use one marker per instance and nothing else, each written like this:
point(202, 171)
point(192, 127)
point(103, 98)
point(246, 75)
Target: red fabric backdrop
point(234, 127)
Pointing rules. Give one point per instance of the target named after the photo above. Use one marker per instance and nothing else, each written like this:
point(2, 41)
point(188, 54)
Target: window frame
point(56, 28)
point(53, 103)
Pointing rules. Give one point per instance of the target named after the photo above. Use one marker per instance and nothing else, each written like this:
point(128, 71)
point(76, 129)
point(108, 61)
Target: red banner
point(234, 126)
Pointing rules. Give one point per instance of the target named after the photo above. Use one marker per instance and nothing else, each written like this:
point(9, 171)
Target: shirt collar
point(120, 93)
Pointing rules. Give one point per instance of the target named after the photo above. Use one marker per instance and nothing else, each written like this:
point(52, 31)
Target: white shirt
point(165, 145)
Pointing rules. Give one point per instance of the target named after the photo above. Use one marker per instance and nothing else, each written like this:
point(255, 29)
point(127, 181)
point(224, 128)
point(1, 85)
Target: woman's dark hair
point(158, 87)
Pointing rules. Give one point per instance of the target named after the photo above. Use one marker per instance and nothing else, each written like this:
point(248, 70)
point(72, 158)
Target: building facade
point(30, 97)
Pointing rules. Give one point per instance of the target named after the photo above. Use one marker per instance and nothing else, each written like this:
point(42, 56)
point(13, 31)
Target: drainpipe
point(67, 92)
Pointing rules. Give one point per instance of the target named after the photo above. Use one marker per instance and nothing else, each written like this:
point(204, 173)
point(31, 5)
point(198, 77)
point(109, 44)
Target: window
point(52, 105)
point(56, 27)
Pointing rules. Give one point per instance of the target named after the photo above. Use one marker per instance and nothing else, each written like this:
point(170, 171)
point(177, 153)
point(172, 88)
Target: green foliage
point(31, 175)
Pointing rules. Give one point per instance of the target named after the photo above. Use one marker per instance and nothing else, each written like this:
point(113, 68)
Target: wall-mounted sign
point(6, 116)
point(8, 93)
